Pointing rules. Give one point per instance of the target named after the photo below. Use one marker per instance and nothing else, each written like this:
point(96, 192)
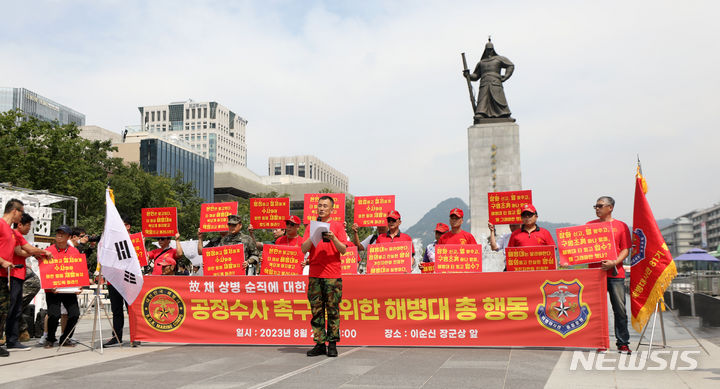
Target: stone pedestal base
point(494, 166)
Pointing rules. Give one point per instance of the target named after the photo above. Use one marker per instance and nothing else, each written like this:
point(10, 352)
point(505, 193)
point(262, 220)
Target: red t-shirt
point(538, 237)
point(324, 258)
point(400, 237)
point(7, 245)
point(621, 234)
point(285, 241)
point(462, 237)
point(171, 253)
point(17, 259)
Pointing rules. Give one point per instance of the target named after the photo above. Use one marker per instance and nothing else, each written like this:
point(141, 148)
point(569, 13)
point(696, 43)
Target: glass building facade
point(163, 158)
point(32, 104)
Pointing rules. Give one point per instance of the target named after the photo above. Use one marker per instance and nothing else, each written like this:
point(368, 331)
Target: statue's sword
point(470, 90)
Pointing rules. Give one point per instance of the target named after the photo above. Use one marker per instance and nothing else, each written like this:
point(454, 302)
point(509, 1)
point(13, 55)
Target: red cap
point(457, 212)
point(442, 227)
point(528, 208)
point(394, 215)
point(293, 219)
point(166, 261)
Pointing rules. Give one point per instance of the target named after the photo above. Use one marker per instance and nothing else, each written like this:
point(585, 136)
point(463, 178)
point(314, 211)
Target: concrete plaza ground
point(204, 366)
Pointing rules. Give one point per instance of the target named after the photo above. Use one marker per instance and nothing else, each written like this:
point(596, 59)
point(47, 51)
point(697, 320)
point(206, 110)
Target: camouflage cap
point(234, 219)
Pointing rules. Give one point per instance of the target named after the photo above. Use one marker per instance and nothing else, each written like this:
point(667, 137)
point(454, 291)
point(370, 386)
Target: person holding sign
point(325, 282)
point(291, 237)
point(17, 279)
point(615, 272)
point(429, 255)
point(394, 235)
point(55, 298)
point(234, 237)
point(530, 234)
point(14, 210)
point(165, 251)
point(456, 235)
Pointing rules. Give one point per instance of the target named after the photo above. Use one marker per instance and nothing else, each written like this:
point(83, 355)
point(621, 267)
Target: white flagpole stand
point(96, 305)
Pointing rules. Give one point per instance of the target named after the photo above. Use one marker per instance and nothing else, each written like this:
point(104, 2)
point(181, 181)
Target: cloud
point(375, 90)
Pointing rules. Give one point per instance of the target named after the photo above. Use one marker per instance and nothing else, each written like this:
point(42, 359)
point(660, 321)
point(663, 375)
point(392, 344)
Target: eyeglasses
point(598, 206)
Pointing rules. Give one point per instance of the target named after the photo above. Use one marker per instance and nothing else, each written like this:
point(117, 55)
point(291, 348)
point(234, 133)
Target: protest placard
point(530, 258)
point(504, 207)
point(372, 211)
point(458, 258)
point(63, 271)
point(588, 243)
point(310, 206)
point(138, 242)
point(281, 260)
point(267, 213)
point(349, 261)
point(388, 258)
point(157, 222)
point(224, 260)
point(213, 216)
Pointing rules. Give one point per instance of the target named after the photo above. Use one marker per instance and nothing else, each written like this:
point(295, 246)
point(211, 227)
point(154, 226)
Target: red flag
point(652, 265)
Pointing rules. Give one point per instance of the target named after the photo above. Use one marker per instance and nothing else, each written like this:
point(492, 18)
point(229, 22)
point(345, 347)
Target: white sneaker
point(41, 341)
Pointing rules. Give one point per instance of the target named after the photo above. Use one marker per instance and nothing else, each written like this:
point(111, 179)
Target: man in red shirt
point(14, 210)
point(54, 299)
point(324, 281)
point(394, 235)
point(165, 251)
point(614, 269)
point(17, 278)
point(530, 234)
point(456, 235)
point(291, 237)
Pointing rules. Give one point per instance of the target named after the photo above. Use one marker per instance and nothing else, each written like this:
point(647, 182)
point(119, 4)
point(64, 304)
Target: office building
point(164, 158)
point(310, 167)
point(211, 129)
point(35, 105)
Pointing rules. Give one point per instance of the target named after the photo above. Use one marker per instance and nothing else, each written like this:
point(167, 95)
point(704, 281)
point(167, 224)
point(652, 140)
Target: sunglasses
point(598, 206)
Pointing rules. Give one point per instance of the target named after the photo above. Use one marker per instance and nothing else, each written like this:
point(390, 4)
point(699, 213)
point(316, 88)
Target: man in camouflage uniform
point(31, 287)
point(234, 236)
point(324, 281)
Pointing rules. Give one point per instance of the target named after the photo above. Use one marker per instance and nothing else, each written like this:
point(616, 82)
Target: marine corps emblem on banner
point(562, 310)
point(163, 309)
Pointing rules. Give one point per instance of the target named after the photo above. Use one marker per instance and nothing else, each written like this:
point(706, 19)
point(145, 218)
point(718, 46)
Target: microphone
point(324, 234)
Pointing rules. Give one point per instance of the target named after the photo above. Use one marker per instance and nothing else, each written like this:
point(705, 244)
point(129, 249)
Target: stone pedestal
point(494, 165)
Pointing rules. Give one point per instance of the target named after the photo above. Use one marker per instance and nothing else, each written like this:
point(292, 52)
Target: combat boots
point(319, 349)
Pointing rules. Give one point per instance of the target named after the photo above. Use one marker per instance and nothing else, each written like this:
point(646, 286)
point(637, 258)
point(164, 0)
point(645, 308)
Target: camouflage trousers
point(324, 295)
point(31, 287)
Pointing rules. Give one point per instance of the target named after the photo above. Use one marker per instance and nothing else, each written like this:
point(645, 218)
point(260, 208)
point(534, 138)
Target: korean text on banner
point(370, 211)
point(586, 244)
point(499, 309)
point(224, 260)
point(310, 206)
point(138, 241)
point(349, 261)
point(458, 258)
point(388, 258)
point(64, 270)
point(213, 216)
point(530, 258)
point(504, 207)
point(157, 222)
point(281, 260)
point(267, 213)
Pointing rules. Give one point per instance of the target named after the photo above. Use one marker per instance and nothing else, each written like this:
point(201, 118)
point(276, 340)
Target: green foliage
point(50, 156)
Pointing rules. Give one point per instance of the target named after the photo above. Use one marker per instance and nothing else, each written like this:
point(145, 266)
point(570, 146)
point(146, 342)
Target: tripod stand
point(96, 305)
point(658, 312)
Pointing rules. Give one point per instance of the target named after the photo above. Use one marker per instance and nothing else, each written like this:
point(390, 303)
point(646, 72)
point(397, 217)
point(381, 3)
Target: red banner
point(138, 241)
point(389, 258)
point(223, 260)
point(458, 258)
point(267, 213)
point(559, 308)
point(530, 258)
point(349, 261)
point(310, 206)
point(370, 211)
point(653, 268)
point(158, 222)
point(427, 267)
point(213, 216)
point(281, 260)
point(586, 244)
point(504, 207)
point(63, 271)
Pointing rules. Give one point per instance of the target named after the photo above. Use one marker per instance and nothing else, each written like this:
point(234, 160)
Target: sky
point(374, 88)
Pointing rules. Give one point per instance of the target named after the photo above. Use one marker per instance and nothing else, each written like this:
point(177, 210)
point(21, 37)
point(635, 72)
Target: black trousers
point(14, 315)
point(69, 300)
point(116, 305)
